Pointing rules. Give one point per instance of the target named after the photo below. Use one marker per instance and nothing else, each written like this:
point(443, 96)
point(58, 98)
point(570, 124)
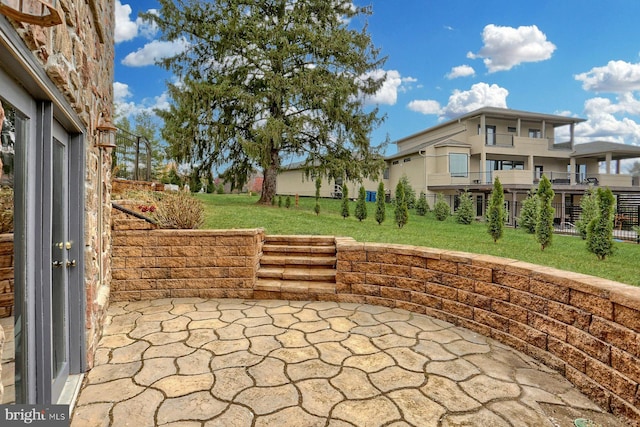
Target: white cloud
point(461, 71)
point(126, 29)
point(121, 92)
point(602, 123)
point(425, 106)
point(126, 108)
point(506, 47)
point(394, 83)
point(616, 76)
point(480, 95)
point(461, 102)
point(151, 52)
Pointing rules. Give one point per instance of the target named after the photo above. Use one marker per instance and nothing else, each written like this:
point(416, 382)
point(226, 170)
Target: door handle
point(71, 263)
point(57, 264)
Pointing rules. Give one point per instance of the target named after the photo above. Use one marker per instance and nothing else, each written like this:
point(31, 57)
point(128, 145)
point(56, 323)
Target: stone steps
point(297, 267)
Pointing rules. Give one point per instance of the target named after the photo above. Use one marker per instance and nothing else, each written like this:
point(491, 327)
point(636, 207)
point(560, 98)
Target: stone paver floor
point(196, 362)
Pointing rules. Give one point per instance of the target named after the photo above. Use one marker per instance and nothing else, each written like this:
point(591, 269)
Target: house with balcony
point(517, 147)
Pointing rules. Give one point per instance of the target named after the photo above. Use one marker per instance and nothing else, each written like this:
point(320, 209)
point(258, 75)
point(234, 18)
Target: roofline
point(500, 112)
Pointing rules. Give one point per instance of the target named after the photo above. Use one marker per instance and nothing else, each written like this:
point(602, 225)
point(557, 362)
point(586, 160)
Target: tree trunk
point(269, 181)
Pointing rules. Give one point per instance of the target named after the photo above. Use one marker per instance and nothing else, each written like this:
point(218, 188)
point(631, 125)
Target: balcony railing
point(527, 177)
point(499, 139)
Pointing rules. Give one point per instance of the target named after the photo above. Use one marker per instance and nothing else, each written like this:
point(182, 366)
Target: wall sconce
point(38, 12)
point(105, 132)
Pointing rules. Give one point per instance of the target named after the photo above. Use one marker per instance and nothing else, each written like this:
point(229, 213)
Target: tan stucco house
point(56, 91)
point(517, 147)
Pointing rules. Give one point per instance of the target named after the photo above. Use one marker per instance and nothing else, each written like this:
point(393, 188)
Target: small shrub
point(274, 201)
point(544, 222)
point(441, 209)
point(316, 208)
point(179, 210)
point(6, 210)
point(220, 189)
point(409, 192)
point(588, 211)
point(345, 202)
point(422, 206)
point(464, 214)
point(600, 230)
point(361, 205)
point(287, 202)
point(380, 204)
point(529, 213)
point(496, 213)
point(279, 201)
point(402, 211)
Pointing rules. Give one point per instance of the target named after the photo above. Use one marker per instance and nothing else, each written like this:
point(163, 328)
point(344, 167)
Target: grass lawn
point(225, 211)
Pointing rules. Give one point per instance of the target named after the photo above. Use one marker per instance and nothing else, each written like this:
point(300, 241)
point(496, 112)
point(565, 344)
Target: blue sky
point(445, 58)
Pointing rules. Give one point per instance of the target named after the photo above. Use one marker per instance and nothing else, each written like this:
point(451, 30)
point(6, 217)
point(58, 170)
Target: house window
point(535, 133)
point(538, 172)
point(504, 165)
point(395, 162)
point(458, 165)
point(385, 174)
point(511, 129)
point(408, 159)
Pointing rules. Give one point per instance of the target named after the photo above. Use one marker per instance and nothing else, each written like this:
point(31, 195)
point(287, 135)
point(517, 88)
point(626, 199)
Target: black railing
point(132, 156)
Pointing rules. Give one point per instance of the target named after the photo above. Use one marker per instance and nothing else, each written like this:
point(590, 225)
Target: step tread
point(293, 240)
point(329, 249)
point(295, 286)
point(287, 273)
point(297, 260)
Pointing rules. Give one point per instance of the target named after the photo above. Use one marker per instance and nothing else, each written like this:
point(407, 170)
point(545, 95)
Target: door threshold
point(70, 391)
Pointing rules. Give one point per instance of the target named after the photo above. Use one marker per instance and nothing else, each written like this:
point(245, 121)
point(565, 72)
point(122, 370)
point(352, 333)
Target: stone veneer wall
point(6, 276)
point(122, 185)
point(585, 327)
point(78, 57)
point(150, 264)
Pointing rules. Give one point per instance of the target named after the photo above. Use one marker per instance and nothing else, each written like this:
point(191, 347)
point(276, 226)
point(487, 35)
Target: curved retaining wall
point(585, 327)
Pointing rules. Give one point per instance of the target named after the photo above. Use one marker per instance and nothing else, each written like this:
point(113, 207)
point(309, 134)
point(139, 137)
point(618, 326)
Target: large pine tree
point(259, 80)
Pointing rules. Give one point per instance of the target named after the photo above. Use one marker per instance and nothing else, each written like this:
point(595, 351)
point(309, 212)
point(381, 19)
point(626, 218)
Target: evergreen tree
point(401, 211)
point(422, 206)
point(529, 213)
point(279, 201)
point(345, 202)
point(195, 184)
point(600, 229)
point(496, 213)
point(316, 208)
point(441, 209)
point(464, 214)
point(544, 222)
point(287, 202)
point(220, 188)
point(588, 211)
point(361, 205)
point(380, 204)
point(409, 192)
point(265, 79)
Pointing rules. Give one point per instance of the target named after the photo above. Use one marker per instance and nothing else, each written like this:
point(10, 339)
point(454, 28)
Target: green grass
point(566, 252)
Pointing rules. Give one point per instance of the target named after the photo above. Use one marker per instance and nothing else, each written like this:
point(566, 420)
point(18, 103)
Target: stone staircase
point(297, 267)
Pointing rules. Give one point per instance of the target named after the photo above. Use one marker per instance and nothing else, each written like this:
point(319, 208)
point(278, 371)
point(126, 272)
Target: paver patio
point(197, 362)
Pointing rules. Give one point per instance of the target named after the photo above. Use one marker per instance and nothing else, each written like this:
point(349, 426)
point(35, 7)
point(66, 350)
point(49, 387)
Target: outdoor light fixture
point(38, 12)
point(105, 132)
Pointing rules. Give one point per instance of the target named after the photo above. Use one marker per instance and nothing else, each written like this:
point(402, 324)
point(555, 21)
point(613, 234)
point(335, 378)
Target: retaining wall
point(149, 264)
point(585, 327)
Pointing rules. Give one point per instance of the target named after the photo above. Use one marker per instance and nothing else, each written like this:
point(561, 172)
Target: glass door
point(60, 248)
